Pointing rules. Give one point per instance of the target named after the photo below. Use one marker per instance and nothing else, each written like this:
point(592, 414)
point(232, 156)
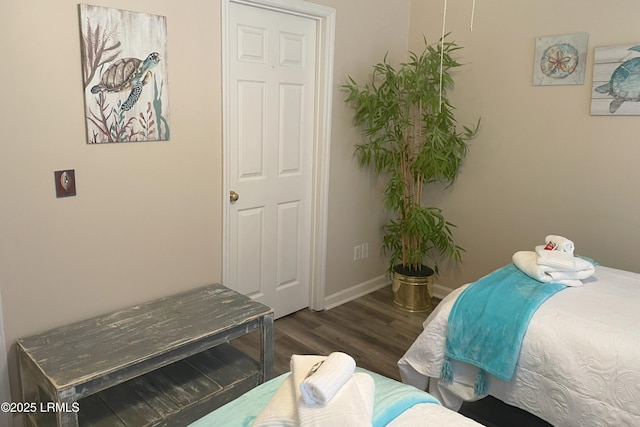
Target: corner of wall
point(369, 286)
point(440, 291)
point(5, 393)
point(355, 291)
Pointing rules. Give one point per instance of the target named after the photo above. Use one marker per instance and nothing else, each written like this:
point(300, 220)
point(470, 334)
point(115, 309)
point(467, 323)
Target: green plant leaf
point(412, 138)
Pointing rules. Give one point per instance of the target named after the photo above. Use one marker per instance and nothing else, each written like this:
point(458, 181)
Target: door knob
point(233, 196)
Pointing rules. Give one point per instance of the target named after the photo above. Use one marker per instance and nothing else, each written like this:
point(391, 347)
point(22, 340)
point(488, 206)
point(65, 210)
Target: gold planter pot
point(412, 293)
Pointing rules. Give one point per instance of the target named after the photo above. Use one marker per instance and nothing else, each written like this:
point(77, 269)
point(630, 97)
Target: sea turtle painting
point(624, 84)
point(127, 74)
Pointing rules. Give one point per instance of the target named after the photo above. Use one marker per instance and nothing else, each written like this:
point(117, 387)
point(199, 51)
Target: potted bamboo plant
point(412, 138)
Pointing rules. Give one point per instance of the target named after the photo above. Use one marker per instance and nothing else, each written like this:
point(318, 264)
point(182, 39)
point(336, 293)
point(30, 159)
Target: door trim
point(325, 18)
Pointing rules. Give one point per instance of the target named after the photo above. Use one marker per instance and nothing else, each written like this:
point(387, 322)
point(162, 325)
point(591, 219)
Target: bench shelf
point(167, 362)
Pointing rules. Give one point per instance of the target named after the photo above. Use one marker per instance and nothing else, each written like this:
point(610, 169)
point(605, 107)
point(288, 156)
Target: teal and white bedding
point(488, 321)
point(395, 405)
point(578, 363)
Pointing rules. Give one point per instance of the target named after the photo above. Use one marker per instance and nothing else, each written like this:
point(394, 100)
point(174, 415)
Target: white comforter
point(430, 414)
point(580, 358)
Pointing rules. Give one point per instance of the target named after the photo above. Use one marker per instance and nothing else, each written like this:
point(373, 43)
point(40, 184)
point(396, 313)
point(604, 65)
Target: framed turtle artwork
point(560, 60)
point(124, 69)
point(616, 81)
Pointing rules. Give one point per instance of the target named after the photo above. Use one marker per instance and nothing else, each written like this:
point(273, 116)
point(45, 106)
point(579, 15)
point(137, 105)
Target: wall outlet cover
point(65, 183)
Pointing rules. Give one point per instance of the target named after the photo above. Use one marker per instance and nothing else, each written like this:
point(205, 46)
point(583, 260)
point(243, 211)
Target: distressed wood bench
point(166, 362)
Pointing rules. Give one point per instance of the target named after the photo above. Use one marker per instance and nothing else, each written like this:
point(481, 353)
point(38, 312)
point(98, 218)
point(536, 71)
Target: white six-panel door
point(271, 62)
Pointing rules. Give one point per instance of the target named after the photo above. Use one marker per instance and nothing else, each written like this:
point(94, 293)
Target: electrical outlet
point(357, 253)
point(365, 250)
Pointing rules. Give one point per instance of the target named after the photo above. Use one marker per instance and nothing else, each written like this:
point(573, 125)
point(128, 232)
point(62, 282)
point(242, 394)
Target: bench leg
point(266, 335)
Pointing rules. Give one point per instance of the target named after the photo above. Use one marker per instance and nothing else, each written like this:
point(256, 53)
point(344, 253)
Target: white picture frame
point(560, 59)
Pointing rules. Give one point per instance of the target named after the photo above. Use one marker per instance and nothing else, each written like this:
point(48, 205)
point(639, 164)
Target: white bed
point(580, 359)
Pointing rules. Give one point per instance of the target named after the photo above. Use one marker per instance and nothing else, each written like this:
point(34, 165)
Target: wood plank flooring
point(376, 334)
point(370, 329)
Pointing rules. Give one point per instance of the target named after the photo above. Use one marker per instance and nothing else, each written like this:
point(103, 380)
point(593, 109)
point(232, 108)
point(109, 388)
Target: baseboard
point(369, 286)
point(355, 291)
point(440, 291)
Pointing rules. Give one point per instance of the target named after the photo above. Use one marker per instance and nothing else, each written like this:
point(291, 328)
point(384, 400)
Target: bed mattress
point(579, 363)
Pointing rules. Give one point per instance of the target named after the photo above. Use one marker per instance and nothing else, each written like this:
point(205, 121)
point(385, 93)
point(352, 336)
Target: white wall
point(541, 163)
point(366, 30)
point(147, 218)
point(146, 221)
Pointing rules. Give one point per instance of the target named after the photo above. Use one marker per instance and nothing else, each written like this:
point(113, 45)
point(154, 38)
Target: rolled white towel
point(300, 365)
point(526, 261)
point(559, 243)
point(351, 406)
point(321, 385)
point(556, 259)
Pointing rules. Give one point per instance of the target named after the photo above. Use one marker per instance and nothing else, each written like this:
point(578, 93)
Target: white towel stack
point(321, 391)
point(554, 262)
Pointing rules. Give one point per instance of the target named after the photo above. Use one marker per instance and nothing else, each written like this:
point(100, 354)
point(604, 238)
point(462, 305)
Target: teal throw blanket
point(488, 321)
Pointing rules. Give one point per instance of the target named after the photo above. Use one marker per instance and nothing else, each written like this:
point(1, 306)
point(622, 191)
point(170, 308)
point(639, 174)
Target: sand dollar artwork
point(559, 60)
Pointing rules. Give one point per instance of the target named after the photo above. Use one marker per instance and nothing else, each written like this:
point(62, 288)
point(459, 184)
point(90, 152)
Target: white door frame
point(325, 18)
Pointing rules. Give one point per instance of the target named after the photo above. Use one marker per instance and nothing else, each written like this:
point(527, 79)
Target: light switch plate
point(65, 183)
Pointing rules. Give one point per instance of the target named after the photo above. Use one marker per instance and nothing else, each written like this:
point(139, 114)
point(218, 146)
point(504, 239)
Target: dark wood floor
point(370, 329)
point(376, 334)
